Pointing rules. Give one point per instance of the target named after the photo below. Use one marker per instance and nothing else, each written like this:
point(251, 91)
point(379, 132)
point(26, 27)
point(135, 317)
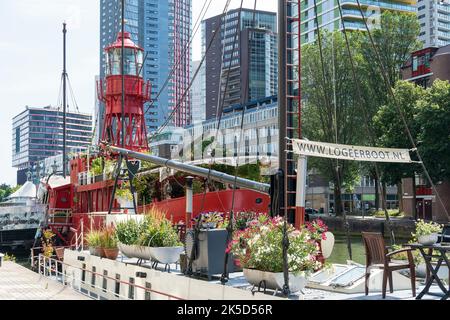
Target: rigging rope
point(197, 25)
point(338, 171)
point(224, 277)
point(366, 122)
point(189, 270)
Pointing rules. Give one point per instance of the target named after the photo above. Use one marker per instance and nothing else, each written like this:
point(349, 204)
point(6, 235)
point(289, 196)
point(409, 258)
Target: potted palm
point(108, 240)
point(427, 232)
point(258, 249)
point(94, 242)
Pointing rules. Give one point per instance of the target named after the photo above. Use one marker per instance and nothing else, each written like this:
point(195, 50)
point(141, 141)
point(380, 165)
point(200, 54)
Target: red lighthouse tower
point(137, 92)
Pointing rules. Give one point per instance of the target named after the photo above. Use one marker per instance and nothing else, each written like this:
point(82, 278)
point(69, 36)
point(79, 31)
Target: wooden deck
point(20, 283)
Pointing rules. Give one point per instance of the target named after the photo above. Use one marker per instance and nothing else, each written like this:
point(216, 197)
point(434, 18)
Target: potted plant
point(108, 240)
point(128, 233)
point(259, 251)
point(160, 236)
point(427, 232)
point(94, 242)
point(124, 196)
point(97, 169)
point(242, 219)
point(209, 220)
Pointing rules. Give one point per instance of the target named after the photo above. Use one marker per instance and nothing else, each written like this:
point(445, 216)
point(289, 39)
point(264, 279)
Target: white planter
point(428, 239)
point(166, 255)
point(275, 280)
point(133, 251)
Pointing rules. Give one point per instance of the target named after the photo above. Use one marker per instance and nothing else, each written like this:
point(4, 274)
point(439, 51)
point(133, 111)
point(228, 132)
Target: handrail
point(45, 265)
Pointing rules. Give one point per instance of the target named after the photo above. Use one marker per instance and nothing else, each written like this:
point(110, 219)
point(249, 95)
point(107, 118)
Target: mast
point(122, 62)
point(289, 106)
point(64, 101)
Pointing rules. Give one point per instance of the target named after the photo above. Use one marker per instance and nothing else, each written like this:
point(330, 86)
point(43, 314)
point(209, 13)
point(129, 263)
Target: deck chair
point(377, 256)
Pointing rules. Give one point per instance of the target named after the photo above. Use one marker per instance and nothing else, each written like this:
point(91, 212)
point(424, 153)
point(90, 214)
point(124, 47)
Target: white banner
point(344, 152)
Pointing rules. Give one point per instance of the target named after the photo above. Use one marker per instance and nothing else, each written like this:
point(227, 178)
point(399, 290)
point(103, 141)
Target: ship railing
point(96, 285)
point(37, 251)
point(87, 178)
point(59, 216)
point(79, 237)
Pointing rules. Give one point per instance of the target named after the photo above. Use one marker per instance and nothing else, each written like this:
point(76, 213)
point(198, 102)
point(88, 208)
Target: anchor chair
point(378, 257)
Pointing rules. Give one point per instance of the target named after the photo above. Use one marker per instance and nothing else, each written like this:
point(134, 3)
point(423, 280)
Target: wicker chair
point(377, 256)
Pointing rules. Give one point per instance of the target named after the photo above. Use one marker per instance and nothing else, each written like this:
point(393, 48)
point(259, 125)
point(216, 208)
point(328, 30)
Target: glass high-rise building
point(163, 29)
point(246, 70)
point(329, 17)
point(38, 134)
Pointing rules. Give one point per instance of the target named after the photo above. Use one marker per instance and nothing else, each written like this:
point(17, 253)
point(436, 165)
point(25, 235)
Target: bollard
point(189, 201)
point(1, 258)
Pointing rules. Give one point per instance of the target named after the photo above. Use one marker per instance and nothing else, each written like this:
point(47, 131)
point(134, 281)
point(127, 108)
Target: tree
point(5, 191)
point(329, 106)
point(432, 121)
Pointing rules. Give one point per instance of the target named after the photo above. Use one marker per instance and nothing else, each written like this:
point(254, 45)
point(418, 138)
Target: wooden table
point(428, 252)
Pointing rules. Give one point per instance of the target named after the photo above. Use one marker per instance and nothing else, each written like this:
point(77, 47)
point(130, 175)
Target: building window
point(17, 140)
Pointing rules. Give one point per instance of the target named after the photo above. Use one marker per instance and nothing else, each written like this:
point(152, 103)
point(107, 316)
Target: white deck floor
point(20, 283)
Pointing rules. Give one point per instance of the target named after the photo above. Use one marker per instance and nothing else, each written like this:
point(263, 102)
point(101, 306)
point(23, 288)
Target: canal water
point(340, 252)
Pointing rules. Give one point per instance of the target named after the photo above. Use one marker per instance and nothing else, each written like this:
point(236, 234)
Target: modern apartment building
point(197, 94)
point(245, 70)
point(38, 134)
point(163, 29)
point(434, 19)
point(329, 16)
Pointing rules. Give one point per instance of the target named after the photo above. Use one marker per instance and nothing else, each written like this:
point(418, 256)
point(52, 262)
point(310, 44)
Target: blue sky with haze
point(31, 56)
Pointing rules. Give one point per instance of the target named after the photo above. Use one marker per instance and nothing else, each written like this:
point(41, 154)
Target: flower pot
point(127, 250)
point(100, 252)
point(134, 251)
point(166, 255)
point(274, 280)
point(428, 239)
point(111, 253)
point(96, 251)
point(209, 225)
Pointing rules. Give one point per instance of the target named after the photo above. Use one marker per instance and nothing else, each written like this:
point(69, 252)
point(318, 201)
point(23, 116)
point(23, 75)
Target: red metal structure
point(137, 92)
point(289, 99)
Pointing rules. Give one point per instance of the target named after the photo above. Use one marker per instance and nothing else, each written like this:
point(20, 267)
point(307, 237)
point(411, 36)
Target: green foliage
point(9, 257)
point(128, 231)
point(124, 192)
point(158, 232)
point(154, 231)
point(426, 228)
point(6, 191)
point(390, 127)
point(108, 238)
point(434, 134)
point(97, 166)
point(395, 213)
point(93, 239)
point(427, 112)
point(148, 187)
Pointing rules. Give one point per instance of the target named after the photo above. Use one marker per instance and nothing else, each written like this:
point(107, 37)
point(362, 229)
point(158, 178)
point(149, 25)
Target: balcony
point(381, 4)
point(354, 25)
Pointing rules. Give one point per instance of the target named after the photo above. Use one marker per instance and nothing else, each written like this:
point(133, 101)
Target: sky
point(31, 56)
